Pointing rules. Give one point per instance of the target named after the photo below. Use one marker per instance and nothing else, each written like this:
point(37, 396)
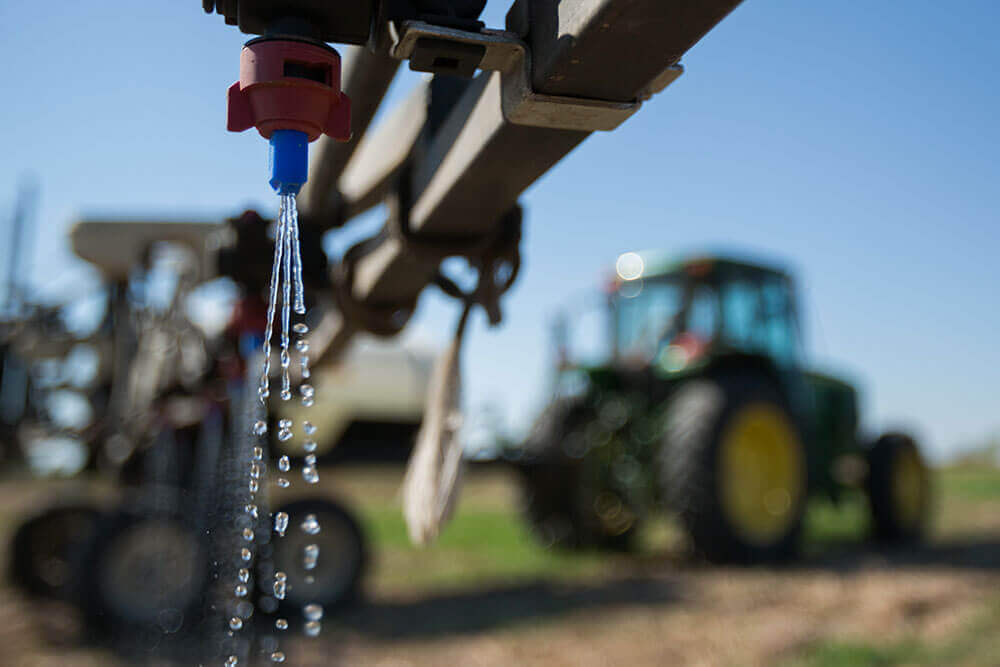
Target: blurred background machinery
point(704, 405)
point(165, 418)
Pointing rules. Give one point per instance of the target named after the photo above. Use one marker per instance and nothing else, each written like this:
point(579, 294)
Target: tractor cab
point(674, 317)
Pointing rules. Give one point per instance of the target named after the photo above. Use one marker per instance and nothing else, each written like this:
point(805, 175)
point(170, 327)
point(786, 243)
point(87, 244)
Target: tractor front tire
point(564, 512)
point(733, 466)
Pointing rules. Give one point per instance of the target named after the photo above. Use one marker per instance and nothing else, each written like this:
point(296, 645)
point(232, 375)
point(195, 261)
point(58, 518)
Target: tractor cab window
point(647, 313)
point(703, 313)
point(581, 335)
point(779, 315)
point(758, 317)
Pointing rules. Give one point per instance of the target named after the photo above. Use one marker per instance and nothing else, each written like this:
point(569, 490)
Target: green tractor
point(704, 407)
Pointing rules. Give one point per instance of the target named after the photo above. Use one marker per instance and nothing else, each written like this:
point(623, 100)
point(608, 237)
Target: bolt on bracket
point(509, 57)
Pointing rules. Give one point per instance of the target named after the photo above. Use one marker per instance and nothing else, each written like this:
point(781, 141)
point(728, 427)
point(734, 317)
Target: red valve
point(289, 85)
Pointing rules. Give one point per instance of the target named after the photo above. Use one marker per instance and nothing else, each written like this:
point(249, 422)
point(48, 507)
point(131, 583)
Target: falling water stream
point(286, 282)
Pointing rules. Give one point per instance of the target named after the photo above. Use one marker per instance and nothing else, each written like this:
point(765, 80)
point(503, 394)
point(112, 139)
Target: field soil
point(487, 594)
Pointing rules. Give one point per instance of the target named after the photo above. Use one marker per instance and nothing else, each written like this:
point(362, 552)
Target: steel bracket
point(505, 53)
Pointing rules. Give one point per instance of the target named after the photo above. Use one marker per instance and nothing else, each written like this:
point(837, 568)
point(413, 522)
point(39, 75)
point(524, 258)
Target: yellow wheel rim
point(760, 477)
point(908, 486)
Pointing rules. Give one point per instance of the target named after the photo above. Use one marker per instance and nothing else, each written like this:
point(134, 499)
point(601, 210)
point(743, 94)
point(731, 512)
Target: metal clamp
point(505, 53)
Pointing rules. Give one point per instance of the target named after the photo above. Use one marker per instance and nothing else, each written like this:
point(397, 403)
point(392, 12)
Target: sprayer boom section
point(503, 107)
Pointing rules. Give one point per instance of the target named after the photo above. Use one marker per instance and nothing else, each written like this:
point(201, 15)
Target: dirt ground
point(456, 606)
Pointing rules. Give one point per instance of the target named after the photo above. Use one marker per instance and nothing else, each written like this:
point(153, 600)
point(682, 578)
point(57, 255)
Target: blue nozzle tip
point(289, 161)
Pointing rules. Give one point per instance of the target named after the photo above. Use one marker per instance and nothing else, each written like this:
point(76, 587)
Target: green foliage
point(971, 483)
point(977, 644)
point(835, 654)
point(478, 545)
point(829, 523)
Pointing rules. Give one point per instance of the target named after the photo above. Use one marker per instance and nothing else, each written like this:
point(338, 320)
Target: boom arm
point(453, 162)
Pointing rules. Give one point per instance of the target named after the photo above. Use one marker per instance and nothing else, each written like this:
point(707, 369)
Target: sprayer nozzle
point(289, 160)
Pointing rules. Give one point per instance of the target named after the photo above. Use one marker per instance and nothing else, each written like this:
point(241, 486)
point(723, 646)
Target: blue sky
point(855, 141)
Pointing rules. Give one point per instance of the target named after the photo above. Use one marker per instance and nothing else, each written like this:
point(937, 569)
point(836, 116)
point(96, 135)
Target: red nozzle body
point(289, 85)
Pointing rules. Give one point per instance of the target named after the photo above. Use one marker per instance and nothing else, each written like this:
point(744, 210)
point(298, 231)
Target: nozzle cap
point(289, 158)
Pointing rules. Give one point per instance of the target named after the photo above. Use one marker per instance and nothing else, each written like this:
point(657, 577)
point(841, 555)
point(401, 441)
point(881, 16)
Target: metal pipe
point(365, 79)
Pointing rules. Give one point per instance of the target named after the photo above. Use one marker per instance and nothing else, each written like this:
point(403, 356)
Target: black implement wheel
point(44, 548)
point(143, 575)
point(734, 468)
point(899, 489)
point(335, 579)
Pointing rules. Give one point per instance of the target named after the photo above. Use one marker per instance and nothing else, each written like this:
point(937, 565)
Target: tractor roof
point(658, 263)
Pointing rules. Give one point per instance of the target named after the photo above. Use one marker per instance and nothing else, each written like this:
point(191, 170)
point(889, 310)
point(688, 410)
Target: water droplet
point(254, 486)
point(310, 475)
point(170, 620)
point(236, 623)
point(244, 609)
point(280, 523)
point(277, 656)
point(246, 554)
point(279, 589)
point(281, 624)
point(259, 427)
point(258, 453)
point(286, 394)
point(307, 391)
point(241, 591)
point(280, 576)
point(243, 575)
point(309, 556)
point(310, 525)
point(285, 435)
point(283, 464)
point(302, 345)
point(309, 445)
point(251, 509)
point(312, 628)
point(254, 471)
point(248, 534)
point(308, 428)
point(310, 459)
point(282, 482)
point(308, 401)
point(313, 611)
point(284, 424)
point(232, 661)
point(301, 328)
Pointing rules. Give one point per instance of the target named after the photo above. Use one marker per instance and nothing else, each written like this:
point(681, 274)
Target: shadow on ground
point(656, 582)
point(477, 610)
point(652, 582)
point(971, 553)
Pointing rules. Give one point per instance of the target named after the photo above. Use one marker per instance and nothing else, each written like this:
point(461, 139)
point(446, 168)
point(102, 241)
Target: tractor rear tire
point(899, 490)
point(733, 466)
